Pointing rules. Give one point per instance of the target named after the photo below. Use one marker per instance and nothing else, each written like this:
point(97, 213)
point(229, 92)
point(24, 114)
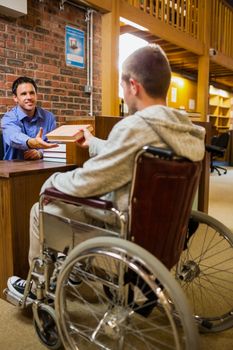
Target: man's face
point(129, 97)
point(26, 98)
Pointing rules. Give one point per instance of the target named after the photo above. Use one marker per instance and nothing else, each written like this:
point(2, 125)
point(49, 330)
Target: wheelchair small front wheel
point(47, 328)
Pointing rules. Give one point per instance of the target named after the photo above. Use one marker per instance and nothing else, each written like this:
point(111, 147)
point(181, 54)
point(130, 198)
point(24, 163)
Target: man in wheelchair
point(145, 81)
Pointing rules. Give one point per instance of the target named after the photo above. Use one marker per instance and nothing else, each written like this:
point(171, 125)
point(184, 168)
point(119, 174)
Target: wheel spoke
point(205, 272)
point(120, 304)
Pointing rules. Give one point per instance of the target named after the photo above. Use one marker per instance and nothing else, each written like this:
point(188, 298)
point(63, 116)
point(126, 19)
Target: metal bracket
point(61, 5)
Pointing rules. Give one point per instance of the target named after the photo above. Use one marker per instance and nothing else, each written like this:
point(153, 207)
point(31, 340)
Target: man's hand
point(38, 142)
point(84, 142)
point(32, 154)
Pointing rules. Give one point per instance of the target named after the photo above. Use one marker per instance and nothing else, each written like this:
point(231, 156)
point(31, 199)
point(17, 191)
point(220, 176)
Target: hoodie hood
point(176, 130)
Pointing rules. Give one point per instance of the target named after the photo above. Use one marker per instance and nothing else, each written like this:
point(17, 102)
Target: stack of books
point(62, 135)
point(57, 154)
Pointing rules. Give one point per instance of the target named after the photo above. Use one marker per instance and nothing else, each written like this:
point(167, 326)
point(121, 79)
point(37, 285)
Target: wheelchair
point(148, 285)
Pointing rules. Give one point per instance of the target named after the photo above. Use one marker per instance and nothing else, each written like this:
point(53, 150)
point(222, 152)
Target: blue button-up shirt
point(17, 128)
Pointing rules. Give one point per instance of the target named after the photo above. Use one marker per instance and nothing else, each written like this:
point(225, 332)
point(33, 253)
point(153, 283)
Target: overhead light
point(177, 80)
point(133, 24)
point(215, 91)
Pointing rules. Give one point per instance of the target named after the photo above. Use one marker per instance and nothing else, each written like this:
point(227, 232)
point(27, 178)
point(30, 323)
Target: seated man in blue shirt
point(24, 127)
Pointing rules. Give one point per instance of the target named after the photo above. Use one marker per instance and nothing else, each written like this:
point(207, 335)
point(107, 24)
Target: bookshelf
point(220, 106)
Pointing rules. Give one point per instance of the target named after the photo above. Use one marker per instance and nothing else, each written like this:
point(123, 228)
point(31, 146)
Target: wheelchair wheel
point(205, 272)
point(47, 329)
point(127, 300)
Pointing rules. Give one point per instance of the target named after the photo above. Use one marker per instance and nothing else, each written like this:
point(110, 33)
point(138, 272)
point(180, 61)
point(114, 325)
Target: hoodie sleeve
point(96, 146)
point(109, 170)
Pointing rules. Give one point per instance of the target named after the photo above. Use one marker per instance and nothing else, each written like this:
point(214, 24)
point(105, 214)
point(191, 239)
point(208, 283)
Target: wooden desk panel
point(104, 124)
point(75, 154)
point(20, 183)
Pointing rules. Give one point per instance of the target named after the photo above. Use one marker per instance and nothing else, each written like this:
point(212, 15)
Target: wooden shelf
point(195, 117)
point(220, 110)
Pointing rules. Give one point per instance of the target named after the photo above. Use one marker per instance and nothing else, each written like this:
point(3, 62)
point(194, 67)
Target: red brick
point(34, 45)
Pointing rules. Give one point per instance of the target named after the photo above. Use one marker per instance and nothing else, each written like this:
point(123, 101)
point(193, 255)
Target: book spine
point(55, 154)
point(56, 160)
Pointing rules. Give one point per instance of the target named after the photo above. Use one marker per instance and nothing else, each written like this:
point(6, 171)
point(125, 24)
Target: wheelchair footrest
point(15, 300)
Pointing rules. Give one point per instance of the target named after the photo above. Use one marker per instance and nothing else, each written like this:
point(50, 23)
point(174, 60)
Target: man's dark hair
point(22, 80)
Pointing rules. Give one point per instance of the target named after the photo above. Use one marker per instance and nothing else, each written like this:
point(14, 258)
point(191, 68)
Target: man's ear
point(134, 84)
point(15, 98)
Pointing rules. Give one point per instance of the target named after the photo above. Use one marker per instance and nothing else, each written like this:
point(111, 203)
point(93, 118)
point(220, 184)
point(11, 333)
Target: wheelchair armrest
point(218, 151)
point(94, 202)
point(161, 152)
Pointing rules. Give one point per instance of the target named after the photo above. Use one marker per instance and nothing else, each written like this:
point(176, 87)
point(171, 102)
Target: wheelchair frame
point(53, 273)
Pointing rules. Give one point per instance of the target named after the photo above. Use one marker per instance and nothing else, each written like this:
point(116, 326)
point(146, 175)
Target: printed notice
point(191, 104)
point(75, 47)
point(173, 94)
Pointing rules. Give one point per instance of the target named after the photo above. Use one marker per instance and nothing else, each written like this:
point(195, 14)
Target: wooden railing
point(222, 27)
point(188, 16)
point(183, 15)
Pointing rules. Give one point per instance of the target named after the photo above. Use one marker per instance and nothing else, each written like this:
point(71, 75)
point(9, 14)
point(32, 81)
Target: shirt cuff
point(28, 144)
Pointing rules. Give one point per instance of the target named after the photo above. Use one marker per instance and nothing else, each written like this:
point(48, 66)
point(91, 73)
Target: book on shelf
point(68, 133)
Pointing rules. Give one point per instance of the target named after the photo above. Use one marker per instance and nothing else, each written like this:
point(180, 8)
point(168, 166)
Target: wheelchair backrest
point(162, 194)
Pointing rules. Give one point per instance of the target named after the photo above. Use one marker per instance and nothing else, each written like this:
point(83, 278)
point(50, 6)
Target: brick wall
point(34, 45)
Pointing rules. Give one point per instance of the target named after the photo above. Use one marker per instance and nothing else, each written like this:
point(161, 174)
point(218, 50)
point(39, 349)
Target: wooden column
point(203, 191)
point(110, 54)
point(204, 62)
point(203, 86)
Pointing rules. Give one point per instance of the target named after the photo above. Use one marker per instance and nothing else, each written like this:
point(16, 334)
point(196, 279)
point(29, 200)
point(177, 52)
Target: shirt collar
point(21, 114)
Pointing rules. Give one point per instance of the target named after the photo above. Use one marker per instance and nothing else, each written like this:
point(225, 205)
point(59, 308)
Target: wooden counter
point(20, 183)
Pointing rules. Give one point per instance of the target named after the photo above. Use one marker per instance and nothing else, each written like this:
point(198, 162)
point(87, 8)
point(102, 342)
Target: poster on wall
point(75, 47)
point(174, 94)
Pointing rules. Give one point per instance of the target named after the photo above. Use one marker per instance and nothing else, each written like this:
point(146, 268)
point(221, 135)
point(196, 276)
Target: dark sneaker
point(17, 285)
point(74, 279)
point(74, 282)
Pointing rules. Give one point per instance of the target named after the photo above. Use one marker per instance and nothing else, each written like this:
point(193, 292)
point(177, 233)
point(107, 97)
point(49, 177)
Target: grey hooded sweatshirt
point(108, 172)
